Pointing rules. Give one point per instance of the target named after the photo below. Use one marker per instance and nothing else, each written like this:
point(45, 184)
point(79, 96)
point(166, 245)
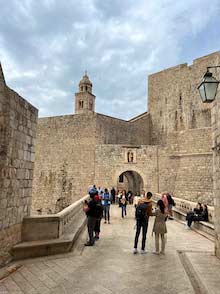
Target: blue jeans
point(144, 225)
point(107, 212)
point(123, 210)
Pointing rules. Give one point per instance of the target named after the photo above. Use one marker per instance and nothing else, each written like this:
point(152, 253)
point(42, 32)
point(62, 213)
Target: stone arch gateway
point(130, 180)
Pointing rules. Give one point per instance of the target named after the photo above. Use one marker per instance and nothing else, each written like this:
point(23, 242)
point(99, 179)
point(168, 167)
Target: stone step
point(39, 248)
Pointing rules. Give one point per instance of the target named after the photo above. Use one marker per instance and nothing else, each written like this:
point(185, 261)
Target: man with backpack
point(142, 213)
point(93, 210)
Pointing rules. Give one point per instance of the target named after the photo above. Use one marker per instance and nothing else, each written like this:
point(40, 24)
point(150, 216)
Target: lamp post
point(208, 87)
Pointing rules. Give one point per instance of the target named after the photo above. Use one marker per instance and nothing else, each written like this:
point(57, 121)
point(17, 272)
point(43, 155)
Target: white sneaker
point(156, 252)
point(135, 251)
point(143, 251)
point(188, 228)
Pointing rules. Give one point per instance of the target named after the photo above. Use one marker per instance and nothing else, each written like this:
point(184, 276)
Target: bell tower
point(84, 99)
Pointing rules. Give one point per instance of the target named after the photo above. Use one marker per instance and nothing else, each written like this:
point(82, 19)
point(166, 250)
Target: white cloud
point(46, 45)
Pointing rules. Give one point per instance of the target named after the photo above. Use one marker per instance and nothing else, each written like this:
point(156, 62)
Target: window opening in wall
point(180, 99)
point(130, 156)
point(121, 179)
point(86, 88)
point(175, 126)
point(81, 104)
point(81, 88)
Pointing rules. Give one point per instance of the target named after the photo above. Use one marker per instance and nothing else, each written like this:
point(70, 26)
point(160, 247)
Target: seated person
point(199, 214)
point(198, 210)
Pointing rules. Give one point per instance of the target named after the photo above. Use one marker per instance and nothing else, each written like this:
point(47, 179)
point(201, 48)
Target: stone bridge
point(189, 265)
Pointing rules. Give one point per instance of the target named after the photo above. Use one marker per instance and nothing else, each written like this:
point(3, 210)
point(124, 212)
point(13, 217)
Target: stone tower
point(2, 79)
point(84, 99)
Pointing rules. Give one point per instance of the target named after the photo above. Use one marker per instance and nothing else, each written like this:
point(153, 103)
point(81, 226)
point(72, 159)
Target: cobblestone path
point(189, 265)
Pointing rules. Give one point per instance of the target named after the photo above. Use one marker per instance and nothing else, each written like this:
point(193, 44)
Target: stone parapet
point(185, 206)
point(42, 227)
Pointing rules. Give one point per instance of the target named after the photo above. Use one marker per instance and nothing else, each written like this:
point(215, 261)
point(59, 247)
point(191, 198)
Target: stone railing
point(45, 227)
point(185, 206)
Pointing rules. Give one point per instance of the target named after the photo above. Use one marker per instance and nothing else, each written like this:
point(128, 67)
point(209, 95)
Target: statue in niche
point(130, 156)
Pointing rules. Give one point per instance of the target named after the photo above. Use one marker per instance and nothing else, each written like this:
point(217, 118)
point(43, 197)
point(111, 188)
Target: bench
point(205, 227)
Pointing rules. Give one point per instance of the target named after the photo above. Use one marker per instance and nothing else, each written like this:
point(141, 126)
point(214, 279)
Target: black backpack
point(140, 213)
point(99, 210)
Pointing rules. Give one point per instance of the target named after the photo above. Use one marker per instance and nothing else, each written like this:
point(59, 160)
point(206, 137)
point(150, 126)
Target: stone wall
point(173, 99)
point(183, 124)
point(111, 163)
point(111, 130)
point(65, 160)
point(216, 162)
point(17, 132)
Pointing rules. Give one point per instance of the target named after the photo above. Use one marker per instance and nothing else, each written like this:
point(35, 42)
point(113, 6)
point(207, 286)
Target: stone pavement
point(188, 266)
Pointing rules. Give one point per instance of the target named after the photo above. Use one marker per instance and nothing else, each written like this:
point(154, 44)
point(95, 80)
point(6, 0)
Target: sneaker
point(105, 222)
point(162, 252)
point(135, 251)
point(188, 228)
point(143, 251)
point(89, 244)
point(109, 223)
point(96, 237)
point(156, 252)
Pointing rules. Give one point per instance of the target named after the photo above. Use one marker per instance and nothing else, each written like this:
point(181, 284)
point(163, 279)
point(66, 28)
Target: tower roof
point(85, 80)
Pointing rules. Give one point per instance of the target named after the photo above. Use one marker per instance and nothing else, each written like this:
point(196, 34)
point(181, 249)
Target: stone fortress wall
point(18, 120)
point(172, 143)
point(183, 124)
point(66, 154)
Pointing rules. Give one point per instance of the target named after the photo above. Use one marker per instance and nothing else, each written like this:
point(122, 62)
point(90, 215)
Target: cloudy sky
point(46, 45)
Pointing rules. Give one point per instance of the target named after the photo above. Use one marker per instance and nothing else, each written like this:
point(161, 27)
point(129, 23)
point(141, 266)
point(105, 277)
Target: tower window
point(81, 104)
point(81, 88)
point(86, 88)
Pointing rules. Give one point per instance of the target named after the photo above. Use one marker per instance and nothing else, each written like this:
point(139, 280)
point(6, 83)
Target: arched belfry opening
point(130, 181)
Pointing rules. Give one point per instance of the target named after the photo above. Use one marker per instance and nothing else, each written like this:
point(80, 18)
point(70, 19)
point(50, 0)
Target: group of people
point(142, 213)
point(99, 206)
point(199, 213)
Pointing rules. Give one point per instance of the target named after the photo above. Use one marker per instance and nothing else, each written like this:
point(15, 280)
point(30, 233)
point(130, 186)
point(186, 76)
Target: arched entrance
point(130, 181)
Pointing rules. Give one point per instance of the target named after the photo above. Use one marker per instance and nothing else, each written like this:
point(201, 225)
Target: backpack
point(98, 210)
point(140, 213)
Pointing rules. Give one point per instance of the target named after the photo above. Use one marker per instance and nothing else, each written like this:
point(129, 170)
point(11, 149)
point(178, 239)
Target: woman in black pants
point(202, 215)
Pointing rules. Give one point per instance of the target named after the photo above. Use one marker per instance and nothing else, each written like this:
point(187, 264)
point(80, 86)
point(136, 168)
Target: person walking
point(90, 208)
point(165, 202)
point(123, 205)
point(99, 216)
point(159, 228)
point(142, 213)
point(113, 194)
point(171, 203)
point(106, 202)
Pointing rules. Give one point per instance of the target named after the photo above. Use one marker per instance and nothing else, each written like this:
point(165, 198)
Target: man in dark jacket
point(90, 209)
point(143, 211)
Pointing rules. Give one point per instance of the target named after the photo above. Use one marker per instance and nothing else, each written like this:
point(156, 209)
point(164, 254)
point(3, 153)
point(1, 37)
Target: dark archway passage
point(130, 181)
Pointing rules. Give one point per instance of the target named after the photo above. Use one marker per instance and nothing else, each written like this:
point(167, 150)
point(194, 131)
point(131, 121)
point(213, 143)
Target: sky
point(46, 46)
